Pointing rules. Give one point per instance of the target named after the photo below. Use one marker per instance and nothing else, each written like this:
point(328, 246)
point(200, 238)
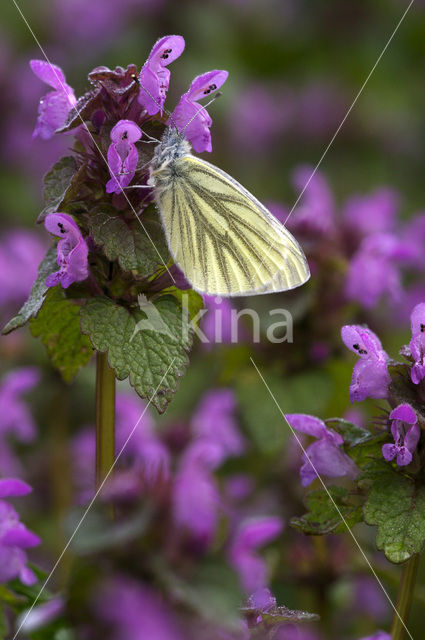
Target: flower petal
point(206, 84)
point(166, 50)
point(405, 413)
point(126, 129)
point(11, 487)
point(49, 73)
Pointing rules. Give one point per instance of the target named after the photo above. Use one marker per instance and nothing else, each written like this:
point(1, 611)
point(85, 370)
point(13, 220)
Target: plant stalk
point(105, 418)
point(404, 598)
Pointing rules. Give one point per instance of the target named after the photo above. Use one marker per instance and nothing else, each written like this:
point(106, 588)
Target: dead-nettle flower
point(325, 457)
point(370, 375)
point(14, 536)
point(406, 433)
point(190, 117)
point(55, 106)
point(72, 250)
point(249, 537)
point(417, 343)
point(122, 155)
point(155, 77)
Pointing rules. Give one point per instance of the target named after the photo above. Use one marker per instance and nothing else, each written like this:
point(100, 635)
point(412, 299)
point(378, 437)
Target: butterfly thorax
point(172, 147)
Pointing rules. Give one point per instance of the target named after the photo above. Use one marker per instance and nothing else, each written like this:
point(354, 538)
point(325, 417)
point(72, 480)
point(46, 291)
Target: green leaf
point(368, 450)
point(396, 505)
point(57, 182)
point(36, 298)
point(351, 434)
point(212, 590)
point(100, 535)
point(323, 517)
point(260, 415)
point(191, 299)
point(152, 359)
point(58, 326)
point(138, 245)
point(276, 616)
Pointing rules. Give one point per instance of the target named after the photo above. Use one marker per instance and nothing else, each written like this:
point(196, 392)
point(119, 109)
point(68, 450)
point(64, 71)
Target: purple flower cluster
point(365, 240)
point(15, 538)
point(121, 104)
point(21, 251)
point(371, 379)
point(216, 438)
point(16, 421)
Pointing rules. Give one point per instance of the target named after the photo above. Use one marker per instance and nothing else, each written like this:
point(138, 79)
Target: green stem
point(105, 417)
point(404, 598)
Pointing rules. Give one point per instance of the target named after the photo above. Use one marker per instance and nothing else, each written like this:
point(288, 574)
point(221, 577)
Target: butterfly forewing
point(223, 239)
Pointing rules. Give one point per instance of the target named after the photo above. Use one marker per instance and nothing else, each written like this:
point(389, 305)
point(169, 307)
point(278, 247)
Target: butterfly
point(223, 239)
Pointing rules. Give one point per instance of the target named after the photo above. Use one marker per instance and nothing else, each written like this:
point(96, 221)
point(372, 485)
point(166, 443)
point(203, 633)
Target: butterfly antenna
point(202, 107)
point(169, 114)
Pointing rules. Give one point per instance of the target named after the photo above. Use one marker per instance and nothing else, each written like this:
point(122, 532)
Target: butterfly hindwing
point(224, 240)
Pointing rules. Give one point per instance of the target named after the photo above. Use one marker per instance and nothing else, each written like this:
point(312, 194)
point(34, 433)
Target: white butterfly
point(223, 239)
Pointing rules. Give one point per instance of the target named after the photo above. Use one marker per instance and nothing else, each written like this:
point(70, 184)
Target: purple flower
point(13, 487)
point(145, 456)
point(154, 76)
point(15, 417)
point(406, 433)
point(72, 250)
point(195, 494)
point(243, 552)
point(373, 213)
point(374, 271)
point(135, 612)
point(122, 155)
point(14, 536)
point(198, 131)
point(42, 615)
point(55, 105)
point(325, 456)
point(275, 107)
point(214, 421)
point(295, 632)
point(414, 236)
point(144, 450)
point(315, 213)
point(417, 343)
point(370, 374)
point(21, 251)
point(369, 598)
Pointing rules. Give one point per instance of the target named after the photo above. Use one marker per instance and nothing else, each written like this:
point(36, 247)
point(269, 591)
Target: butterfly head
point(173, 145)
